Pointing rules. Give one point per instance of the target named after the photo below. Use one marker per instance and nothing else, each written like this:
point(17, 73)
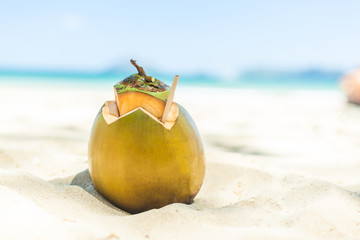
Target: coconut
point(140, 158)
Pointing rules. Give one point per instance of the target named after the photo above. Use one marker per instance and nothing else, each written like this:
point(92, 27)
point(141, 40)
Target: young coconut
point(140, 158)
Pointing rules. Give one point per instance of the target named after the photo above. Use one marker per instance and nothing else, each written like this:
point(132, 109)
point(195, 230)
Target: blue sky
point(220, 37)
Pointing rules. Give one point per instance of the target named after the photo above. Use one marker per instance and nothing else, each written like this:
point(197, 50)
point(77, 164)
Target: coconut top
point(140, 82)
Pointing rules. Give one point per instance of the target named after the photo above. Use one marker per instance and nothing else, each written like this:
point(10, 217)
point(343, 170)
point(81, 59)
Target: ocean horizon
point(258, 79)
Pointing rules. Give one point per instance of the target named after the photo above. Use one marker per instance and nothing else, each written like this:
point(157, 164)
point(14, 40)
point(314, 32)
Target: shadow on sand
point(83, 180)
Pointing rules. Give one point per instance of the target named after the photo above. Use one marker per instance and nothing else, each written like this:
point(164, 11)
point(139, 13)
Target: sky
point(215, 37)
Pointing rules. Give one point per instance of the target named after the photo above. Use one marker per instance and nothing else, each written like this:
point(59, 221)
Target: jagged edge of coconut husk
point(111, 114)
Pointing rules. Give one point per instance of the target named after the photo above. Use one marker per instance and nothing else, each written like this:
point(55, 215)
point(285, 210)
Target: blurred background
point(253, 44)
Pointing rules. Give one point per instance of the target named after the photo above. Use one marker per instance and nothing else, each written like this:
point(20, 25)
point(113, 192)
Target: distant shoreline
point(310, 79)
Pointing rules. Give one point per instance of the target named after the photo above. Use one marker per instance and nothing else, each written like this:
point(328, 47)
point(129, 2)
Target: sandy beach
point(281, 164)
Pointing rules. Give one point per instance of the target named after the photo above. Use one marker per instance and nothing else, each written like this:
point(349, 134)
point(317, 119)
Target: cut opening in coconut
point(127, 102)
point(111, 114)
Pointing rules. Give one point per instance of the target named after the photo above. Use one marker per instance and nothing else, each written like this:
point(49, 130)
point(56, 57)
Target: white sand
point(280, 165)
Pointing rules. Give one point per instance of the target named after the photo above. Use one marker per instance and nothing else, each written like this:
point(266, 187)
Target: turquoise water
point(252, 80)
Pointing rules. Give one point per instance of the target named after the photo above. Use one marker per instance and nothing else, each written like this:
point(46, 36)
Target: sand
point(280, 165)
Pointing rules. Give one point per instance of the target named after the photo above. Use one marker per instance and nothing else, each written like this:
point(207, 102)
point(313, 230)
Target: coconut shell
point(138, 164)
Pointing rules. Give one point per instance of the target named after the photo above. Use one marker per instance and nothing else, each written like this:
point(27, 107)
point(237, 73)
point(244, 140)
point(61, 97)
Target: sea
point(254, 79)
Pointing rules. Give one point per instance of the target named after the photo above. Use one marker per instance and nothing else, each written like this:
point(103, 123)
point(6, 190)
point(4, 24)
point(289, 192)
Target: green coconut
point(138, 162)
